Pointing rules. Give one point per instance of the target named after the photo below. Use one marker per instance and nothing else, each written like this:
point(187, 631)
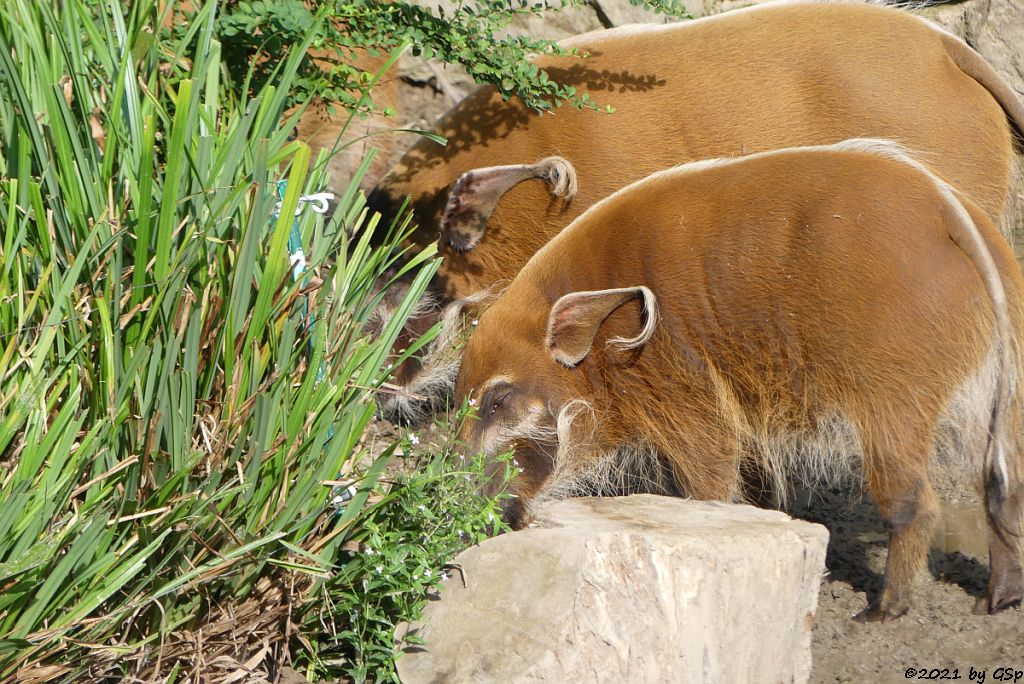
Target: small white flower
point(422, 508)
point(414, 439)
point(519, 469)
point(369, 551)
point(379, 569)
point(426, 573)
point(515, 463)
point(490, 517)
point(472, 402)
point(390, 366)
point(444, 576)
point(474, 322)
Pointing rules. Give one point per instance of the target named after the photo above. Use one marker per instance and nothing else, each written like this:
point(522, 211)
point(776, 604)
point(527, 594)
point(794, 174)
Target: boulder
point(621, 12)
point(995, 28)
point(641, 588)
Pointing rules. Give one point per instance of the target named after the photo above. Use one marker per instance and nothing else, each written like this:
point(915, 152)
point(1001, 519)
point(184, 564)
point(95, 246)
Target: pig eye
point(499, 402)
point(495, 398)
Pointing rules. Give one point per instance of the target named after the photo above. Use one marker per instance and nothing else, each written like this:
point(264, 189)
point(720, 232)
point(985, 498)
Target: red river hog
point(767, 77)
point(800, 313)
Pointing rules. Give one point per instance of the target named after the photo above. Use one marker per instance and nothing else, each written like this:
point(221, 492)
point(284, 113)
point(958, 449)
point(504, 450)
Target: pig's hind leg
point(1004, 503)
point(896, 454)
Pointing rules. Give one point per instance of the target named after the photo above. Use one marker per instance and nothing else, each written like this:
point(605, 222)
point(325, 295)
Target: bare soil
point(940, 638)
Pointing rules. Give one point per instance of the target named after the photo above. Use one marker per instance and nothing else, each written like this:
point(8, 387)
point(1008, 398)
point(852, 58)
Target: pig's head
point(522, 374)
point(424, 383)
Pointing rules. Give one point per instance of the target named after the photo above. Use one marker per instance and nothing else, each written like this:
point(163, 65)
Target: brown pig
point(801, 313)
point(767, 77)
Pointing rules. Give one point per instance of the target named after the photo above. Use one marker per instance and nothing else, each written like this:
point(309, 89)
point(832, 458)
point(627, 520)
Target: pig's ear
point(477, 193)
point(576, 317)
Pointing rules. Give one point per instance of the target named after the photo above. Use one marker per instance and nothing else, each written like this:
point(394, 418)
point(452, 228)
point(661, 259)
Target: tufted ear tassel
point(477, 192)
point(576, 317)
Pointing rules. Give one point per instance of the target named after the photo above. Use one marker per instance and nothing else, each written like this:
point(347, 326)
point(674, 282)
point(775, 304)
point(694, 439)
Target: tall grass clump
point(176, 405)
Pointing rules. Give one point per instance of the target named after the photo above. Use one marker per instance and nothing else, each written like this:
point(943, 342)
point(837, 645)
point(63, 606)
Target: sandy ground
point(940, 638)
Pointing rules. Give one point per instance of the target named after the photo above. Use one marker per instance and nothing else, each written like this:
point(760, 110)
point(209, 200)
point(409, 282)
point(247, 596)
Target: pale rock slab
point(639, 589)
point(621, 12)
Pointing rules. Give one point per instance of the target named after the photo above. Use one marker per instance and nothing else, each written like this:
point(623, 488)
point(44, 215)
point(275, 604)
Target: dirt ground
point(940, 638)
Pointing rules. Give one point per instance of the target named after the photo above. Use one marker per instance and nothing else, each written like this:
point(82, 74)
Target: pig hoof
point(1001, 601)
point(879, 614)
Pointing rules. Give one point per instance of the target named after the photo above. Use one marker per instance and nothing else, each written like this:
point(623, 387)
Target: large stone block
point(639, 589)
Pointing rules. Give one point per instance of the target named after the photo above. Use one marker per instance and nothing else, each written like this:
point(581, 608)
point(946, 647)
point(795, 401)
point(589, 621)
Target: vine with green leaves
point(255, 34)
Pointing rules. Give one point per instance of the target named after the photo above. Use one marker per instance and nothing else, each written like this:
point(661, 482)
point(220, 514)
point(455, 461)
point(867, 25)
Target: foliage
point(432, 510)
point(168, 415)
point(256, 33)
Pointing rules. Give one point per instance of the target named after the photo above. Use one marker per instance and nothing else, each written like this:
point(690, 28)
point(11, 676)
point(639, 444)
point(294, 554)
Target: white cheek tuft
point(535, 425)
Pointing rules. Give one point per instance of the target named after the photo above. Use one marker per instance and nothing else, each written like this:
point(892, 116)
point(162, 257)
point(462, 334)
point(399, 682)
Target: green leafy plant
point(169, 416)
point(257, 33)
point(423, 514)
point(177, 406)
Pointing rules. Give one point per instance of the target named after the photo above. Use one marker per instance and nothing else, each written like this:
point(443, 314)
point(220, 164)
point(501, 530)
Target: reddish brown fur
point(724, 86)
point(746, 81)
point(810, 301)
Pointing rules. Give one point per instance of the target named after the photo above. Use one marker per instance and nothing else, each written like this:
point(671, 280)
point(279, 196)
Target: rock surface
point(639, 589)
point(995, 28)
